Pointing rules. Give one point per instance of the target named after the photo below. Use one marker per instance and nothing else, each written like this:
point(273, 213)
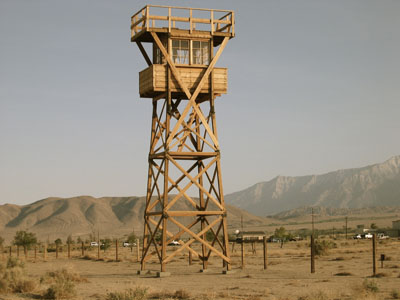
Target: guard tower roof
point(182, 22)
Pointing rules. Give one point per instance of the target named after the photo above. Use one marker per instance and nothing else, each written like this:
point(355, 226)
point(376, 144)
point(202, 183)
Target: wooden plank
point(193, 180)
point(188, 243)
point(199, 239)
point(194, 96)
point(195, 213)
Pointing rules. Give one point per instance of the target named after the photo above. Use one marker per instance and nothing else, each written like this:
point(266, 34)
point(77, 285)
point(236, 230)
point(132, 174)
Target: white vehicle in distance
point(382, 236)
point(94, 244)
point(368, 235)
point(173, 243)
point(127, 244)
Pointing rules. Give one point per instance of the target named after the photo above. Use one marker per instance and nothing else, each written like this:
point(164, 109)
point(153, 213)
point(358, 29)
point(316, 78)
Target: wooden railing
point(144, 20)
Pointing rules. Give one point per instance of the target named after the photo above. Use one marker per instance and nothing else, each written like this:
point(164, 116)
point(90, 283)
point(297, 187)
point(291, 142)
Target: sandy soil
point(287, 277)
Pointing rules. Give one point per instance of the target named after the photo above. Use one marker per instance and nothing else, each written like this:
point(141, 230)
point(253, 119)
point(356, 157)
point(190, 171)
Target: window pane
point(180, 51)
point(185, 44)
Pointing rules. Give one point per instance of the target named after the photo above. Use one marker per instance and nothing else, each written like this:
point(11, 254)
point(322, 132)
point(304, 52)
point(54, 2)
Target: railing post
point(169, 19)
point(190, 20)
point(212, 21)
point(233, 23)
point(147, 18)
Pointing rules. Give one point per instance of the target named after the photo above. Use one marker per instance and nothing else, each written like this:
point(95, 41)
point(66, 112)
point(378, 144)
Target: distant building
point(395, 230)
point(396, 224)
point(250, 236)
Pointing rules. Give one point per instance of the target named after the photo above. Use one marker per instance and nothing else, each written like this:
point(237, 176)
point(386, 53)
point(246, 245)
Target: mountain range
point(83, 216)
point(370, 186)
point(343, 192)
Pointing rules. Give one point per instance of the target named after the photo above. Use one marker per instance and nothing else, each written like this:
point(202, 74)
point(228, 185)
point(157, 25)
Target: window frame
point(191, 56)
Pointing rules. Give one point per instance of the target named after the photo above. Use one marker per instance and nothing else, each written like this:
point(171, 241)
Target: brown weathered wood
point(265, 252)
point(312, 246)
point(183, 140)
point(374, 255)
point(116, 250)
point(242, 254)
point(144, 53)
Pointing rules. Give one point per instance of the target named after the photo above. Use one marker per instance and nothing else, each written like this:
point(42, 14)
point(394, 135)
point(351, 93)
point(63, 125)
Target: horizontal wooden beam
point(184, 155)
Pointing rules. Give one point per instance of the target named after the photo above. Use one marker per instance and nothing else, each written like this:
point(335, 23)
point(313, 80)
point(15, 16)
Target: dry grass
point(62, 284)
point(13, 278)
point(137, 293)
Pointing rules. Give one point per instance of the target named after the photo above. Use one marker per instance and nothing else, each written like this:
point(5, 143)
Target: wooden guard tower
point(184, 202)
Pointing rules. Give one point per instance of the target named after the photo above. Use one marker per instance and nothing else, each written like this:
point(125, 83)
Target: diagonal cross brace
point(192, 98)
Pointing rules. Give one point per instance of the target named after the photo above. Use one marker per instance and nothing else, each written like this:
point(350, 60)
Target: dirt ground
point(287, 277)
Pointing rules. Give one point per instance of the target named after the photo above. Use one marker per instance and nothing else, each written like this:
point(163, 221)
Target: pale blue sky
point(314, 86)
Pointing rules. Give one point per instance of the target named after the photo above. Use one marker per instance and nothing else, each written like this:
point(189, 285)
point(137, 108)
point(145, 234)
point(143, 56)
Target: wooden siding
point(153, 80)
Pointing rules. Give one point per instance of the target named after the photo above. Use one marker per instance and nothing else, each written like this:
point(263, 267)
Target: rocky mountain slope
point(52, 218)
point(375, 185)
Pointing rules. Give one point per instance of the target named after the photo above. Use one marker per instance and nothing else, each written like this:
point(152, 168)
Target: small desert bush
point(320, 295)
point(62, 284)
point(395, 294)
point(13, 278)
point(370, 286)
point(138, 293)
point(322, 247)
point(343, 274)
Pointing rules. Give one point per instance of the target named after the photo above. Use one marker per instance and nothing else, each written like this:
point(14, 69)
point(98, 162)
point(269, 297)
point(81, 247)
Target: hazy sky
point(314, 87)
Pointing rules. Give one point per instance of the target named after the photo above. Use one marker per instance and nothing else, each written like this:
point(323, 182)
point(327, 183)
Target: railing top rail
point(185, 8)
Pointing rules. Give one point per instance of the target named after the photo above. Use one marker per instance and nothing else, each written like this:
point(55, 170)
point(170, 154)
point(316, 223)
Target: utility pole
point(312, 242)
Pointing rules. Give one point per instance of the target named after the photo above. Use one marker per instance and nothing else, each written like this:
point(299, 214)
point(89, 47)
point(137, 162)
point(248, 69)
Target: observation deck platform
point(182, 22)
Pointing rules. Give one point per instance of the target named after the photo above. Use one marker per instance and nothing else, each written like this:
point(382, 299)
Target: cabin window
point(200, 53)
point(158, 57)
point(180, 51)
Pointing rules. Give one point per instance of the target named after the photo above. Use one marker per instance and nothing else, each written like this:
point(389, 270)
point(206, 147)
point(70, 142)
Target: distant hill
point(52, 218)
point(371, 186)
point(326, 212)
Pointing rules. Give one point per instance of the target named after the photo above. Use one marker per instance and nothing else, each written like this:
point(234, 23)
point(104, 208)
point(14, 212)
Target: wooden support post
point(374, 254)
point(190, 257)
point(35, 255)
point(312, 246)
point(233, 247)
point(138, 249)
point(116, 250)
point(69, 249)
point(45, 252)
point(98, 245)
point(265, 252)
point(83, 249)
point(242, 249)
point(56, 250)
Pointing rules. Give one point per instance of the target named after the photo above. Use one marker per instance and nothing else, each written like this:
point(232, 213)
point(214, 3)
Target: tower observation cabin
point(184, 200)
